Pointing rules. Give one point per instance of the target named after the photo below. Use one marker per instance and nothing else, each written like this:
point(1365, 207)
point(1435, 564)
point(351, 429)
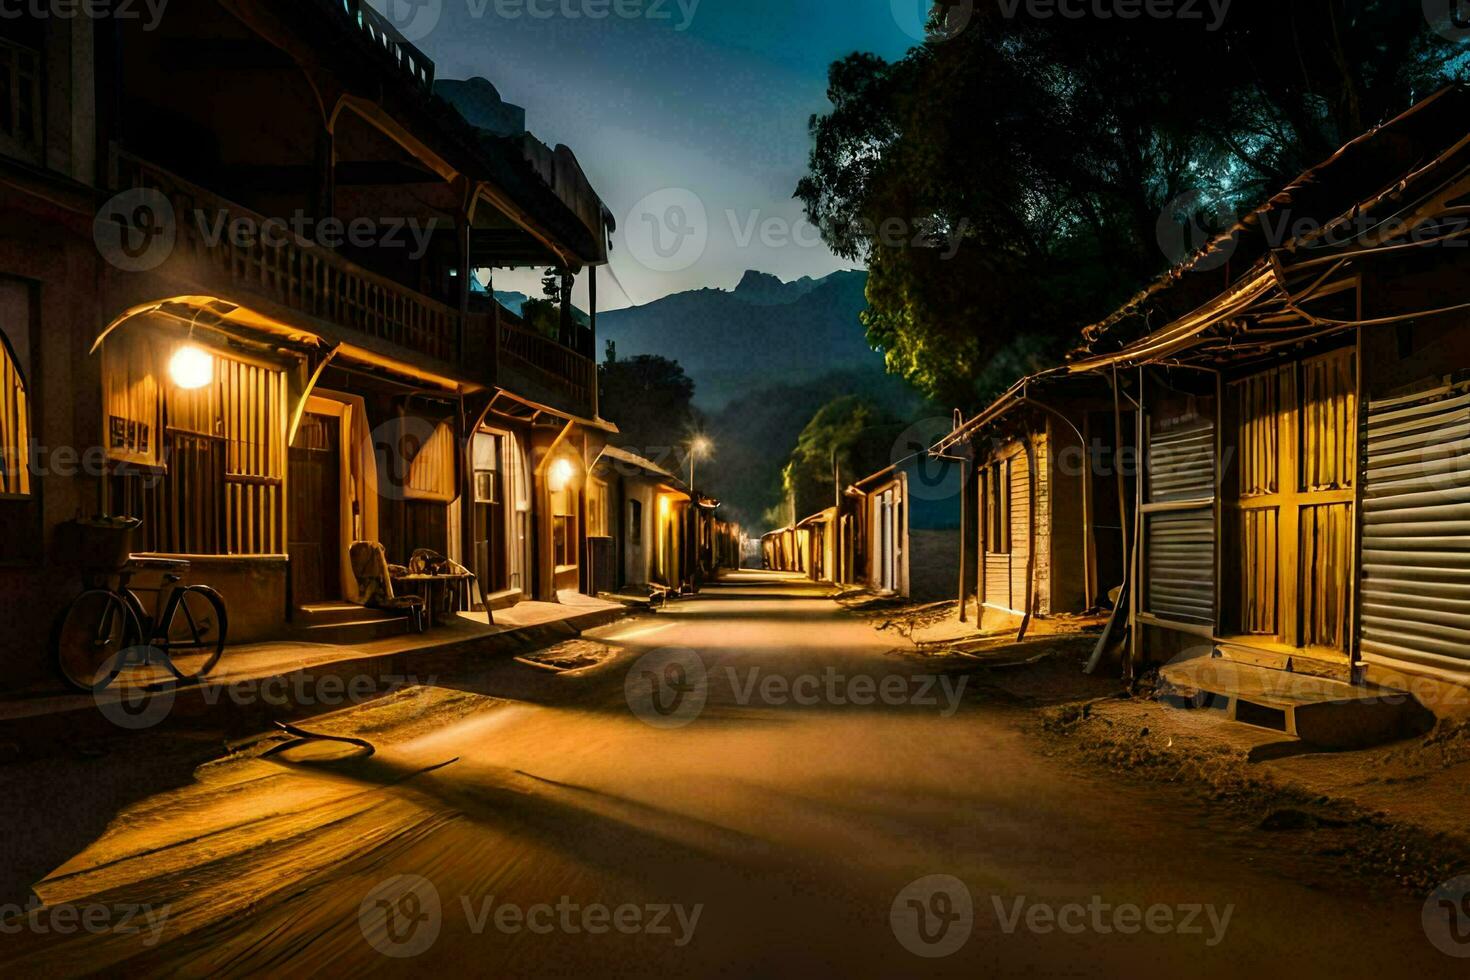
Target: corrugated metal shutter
point(1181, 539)
point(1416, 532)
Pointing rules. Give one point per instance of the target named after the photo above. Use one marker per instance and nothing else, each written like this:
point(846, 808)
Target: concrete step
point(346, 624)
point(1321, 711)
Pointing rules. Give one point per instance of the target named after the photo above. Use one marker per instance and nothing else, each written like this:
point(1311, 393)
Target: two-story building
point(247, 257)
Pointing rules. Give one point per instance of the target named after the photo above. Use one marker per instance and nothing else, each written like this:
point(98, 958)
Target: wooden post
point(964, 507)
point(592, 316)
point(1135, 635)
point(982, 508)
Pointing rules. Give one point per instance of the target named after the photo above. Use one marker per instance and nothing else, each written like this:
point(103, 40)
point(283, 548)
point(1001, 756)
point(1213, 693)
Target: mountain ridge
point(761, 332)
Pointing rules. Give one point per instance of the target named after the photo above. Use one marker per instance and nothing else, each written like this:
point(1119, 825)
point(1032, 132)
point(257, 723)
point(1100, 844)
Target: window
point(15, 416)
point(597, 517)
point(997, 487)
point(21, 93)
point(204, 469)
point(564, 527)
point(635, 522)
point(431, 462)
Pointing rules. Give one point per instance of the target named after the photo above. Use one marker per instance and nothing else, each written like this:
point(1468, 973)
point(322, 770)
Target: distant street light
point(700, 446)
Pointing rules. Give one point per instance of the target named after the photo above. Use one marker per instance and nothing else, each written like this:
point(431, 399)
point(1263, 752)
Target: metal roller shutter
point(1180, 519)
point(1416, 533)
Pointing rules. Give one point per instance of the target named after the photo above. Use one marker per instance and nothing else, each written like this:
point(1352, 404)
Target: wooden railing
point(380, 30)
point(565, 372)
point(292, 272)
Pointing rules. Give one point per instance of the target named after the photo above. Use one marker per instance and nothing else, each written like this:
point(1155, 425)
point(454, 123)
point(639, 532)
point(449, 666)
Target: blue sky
point(706, 96)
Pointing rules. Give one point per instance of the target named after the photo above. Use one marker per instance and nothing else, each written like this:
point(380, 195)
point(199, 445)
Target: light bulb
point(191, 367)
point(561, 473)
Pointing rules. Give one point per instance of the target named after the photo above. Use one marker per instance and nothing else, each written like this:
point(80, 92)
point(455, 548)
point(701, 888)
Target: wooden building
point(244, 271)
point(647, 511)
point(1303, 400)
point(1044, 530)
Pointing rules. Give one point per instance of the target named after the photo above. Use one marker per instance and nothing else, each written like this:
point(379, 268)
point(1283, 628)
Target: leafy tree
point(1022, 166)
point(651, 400)
point(849, 437)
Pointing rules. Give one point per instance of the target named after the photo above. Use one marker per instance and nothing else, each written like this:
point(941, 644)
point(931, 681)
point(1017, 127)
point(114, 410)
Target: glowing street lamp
point(191, 367)
point(700, 446)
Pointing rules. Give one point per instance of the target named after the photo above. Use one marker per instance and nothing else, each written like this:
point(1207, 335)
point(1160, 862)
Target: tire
point(194, 636)
point(93, 637)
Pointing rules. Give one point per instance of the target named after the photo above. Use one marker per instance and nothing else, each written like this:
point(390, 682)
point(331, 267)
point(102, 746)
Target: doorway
point(1297, 444)
point(315, 544)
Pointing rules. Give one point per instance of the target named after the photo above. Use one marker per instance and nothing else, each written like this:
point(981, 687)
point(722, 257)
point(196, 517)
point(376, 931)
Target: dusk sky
point(711, 97)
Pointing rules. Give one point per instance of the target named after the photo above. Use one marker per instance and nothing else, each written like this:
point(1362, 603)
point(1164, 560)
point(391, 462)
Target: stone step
point(1321, 711)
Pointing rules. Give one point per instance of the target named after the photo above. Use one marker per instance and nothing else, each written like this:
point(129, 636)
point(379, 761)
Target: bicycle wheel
point(93, 638)
point(194, 636)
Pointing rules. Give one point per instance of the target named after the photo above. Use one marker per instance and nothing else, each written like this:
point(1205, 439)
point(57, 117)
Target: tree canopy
point(651, 400)
point(1014, 181)
point(849, 437)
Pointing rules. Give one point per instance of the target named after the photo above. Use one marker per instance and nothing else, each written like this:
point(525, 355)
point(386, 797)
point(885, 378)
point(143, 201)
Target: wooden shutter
point(431, 471)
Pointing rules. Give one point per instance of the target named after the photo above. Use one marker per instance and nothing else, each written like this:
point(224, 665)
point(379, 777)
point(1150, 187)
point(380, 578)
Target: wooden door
point(1297, 441)
point(490, 528)
point(315, 548)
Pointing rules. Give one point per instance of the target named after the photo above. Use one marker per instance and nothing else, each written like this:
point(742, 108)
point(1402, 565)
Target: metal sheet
point(1416, 532)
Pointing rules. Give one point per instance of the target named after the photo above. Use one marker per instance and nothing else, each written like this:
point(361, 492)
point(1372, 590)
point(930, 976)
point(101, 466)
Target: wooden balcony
point(290, 272)
point(297, 276)
point(539, 367)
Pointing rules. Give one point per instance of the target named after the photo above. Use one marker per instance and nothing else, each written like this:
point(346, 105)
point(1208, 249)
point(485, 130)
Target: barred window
point(204, 469)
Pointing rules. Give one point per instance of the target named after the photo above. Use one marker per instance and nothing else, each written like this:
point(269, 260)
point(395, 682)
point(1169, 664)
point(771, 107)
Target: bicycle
point(107, 630)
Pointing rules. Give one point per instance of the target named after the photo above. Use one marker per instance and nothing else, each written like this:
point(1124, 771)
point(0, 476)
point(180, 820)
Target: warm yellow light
point(663, 506)
point(191, 367)
point(701, 446)
point(561, 473)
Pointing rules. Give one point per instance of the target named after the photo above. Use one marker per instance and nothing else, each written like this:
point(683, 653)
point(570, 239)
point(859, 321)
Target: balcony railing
point(563, 371)
point(302, 276)
point(380, 30)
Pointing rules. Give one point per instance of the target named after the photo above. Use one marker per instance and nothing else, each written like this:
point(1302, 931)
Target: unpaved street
point(517, 821)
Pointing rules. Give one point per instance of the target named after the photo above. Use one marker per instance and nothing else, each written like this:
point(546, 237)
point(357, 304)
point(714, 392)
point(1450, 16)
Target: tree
point(651, 400)
point(1023, 165)
point(849, 437)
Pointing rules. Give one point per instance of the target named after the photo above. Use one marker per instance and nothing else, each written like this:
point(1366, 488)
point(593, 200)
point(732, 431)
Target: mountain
point(756, 432)
point(762, 332)
point(511, 301)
